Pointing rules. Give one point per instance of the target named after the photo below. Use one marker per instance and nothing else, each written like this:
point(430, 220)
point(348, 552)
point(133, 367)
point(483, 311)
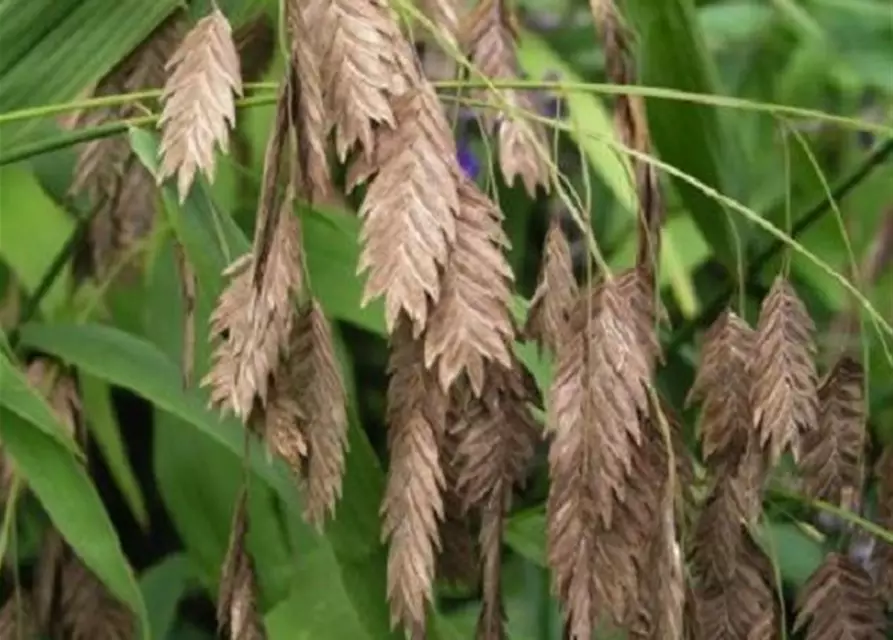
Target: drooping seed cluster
point(460, 429)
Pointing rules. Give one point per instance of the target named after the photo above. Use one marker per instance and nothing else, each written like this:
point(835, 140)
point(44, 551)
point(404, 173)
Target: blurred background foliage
point(167, 470)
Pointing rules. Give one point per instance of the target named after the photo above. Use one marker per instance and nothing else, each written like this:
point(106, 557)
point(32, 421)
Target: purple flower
point(467, 160)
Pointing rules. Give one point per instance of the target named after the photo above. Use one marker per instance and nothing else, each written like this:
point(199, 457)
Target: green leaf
point(52, 49)
point(17, 395)
point(795, 554)
point(163, 586)
point(34, 230)
point(65, 491)
point(525, 532)
point(671, 53)
point(135, 364)
point(99, 412)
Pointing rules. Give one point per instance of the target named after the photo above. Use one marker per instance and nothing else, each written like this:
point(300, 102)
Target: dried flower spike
point(237, 612)
point(785, 394)
point(471, 325)
point(413, 502)
point(198, 101)
point(489, 36)
point(839, 601)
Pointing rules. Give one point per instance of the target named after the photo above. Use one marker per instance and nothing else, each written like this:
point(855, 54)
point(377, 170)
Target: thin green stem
point(71, 138)
point(608, 89)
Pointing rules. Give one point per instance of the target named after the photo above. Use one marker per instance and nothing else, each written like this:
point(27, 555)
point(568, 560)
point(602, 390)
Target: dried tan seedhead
point(495, 434)
point(252, 323)
point(88, 611)
point(785, 397)
point(255, 312)
point(723, 387)
point(661, 594)
point(60, 390)
point(883, 552)
point(556, 291)
point(361, 65)
point(471, 322)
point(631, 125)
point(489, 36)
point(831, 466)
point(597, 399)
point(71, 602)
point(315, 382)
point(17, 621)
point(237, 613)
point(413, 501)
point(198, 101)
point(840, 601)
point(409, 212)
point(743, 606)
point(116, 185)
point(308, 109)
point(458, 562)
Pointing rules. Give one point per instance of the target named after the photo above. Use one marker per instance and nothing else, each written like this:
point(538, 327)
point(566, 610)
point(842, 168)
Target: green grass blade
point(52, 49)
point(99, 413)
point(65, 491)
point(19, 397)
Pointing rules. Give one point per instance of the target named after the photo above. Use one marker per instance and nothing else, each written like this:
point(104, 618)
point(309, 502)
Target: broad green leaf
point(163, 586)
point(33, 231)
point(135, 364)
point(53, 49)
point(796, 554)
point(124, 360)
point(671, 53)
point(96, 399)
point(525, 532)
point(17, 395)
point(65, 491)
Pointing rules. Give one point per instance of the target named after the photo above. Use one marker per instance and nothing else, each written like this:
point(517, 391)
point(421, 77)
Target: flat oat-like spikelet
point(597, 397)
point(254, 314)
point(198, 101)
point(471, 322)
point(831, 465)
point(119, 189)
point(840, 601)
point(743, 606)
point(361, 67)
point(662, 585)
point(489, 37)
point(17, 619)
point(785, 397)
point(409, 212)
point(88, 611)
point(496, 434)
point(556, 291)
point(237, 613)
point(254, 322)
point(458, 561)
point(723, 386)
point(413, 501)
point(883, 551)
point(308, 108)
point(322, 399)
